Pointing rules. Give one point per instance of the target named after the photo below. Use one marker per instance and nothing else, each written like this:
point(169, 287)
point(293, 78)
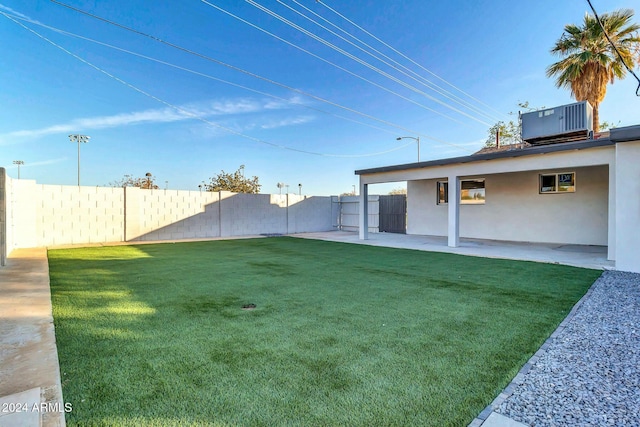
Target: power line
point(405, 70)
point(189, 113)
point(249, 73)
point(354, 58)
point(403, 55)
point(168, 64)
point(257, 27)
point(614, 47)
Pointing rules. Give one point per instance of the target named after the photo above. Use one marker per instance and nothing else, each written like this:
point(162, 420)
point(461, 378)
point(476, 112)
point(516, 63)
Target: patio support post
point(363, 217)
point(454, 212)
point(611, 220)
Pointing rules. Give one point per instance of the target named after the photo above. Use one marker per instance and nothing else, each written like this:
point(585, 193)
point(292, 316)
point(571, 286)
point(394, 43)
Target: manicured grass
point(154, 335)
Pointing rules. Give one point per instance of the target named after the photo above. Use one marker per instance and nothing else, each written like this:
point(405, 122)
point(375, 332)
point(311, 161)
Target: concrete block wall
point(23, 214)
point(168, 215)
point(307, 213)
point(3, 217)
point(171, 214)
point(245, 214)
point(70, 214)
point(33, 215)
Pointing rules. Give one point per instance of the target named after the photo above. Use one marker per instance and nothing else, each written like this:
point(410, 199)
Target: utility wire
point(208, 76)
point(404, 56)
point(394, 64)
point(189, 113)
point(614, 47)
point(354, 58)
point(257, 27)
point(273, 82)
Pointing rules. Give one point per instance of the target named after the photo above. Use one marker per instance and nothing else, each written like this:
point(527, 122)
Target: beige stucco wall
point(514, 209)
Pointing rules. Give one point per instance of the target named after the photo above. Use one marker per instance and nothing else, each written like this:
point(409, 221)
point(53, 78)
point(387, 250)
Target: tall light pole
point(18, 162)
point(79, 138)
point(414, 138)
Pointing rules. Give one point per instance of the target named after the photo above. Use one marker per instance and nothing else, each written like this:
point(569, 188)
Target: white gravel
point(589, 374)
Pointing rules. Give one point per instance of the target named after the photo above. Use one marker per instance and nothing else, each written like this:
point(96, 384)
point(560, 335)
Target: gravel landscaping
point(589, 374)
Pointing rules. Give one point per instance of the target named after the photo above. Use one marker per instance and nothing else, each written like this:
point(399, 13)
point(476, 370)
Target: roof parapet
point(627, 133)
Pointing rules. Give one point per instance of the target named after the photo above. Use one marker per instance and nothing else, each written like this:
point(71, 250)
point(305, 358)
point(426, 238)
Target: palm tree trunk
point(596, 118)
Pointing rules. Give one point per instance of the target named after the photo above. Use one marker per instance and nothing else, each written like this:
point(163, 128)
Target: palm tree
point(590, 61)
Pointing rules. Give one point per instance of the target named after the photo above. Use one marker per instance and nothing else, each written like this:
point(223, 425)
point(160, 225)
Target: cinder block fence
point(35, 215)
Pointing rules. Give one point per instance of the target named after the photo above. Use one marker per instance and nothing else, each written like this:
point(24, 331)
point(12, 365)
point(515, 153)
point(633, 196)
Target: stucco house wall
point(515, 209)
point(627, 207)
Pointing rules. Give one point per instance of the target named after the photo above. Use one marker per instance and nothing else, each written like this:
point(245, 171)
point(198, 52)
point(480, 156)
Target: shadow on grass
point(341, 334)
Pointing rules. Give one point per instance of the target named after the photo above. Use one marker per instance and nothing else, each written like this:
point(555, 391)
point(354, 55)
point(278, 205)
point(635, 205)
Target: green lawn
point(342, 334)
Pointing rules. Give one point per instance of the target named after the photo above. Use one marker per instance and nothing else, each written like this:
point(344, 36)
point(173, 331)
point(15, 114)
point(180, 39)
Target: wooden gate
point(393, 213)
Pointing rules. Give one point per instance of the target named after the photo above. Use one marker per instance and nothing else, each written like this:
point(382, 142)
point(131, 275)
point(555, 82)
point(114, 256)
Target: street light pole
point(18, 162)
point(414, 138)
point(79, 138)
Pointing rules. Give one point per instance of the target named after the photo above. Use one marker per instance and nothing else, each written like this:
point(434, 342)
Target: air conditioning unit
point(571, 122)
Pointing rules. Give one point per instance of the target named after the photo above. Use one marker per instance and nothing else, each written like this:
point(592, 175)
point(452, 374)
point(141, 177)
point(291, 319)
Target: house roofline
point(623, 134)
point(517, 152)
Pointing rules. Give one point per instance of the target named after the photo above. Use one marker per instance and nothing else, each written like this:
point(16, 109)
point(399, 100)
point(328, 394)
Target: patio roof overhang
point(560, 156)
point(573, 154)
point(483, 158)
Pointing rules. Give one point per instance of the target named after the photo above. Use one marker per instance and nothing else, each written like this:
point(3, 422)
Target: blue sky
point(149, 107)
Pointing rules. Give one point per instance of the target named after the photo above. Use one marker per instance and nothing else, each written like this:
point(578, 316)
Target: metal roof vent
point(571, 122)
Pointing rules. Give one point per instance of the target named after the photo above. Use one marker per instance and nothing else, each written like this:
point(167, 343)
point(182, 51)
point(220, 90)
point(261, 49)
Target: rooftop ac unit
point(571, 122)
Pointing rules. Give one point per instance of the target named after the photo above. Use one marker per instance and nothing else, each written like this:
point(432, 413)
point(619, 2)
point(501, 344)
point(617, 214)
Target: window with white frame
point(552, 183)
point(472, 192)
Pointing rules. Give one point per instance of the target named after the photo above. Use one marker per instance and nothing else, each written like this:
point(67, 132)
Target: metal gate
point(393, 213)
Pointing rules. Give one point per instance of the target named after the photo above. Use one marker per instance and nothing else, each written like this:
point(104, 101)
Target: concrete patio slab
point(576, 255)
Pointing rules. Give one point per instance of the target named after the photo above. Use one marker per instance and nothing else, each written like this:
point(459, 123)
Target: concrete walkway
point(30, 389)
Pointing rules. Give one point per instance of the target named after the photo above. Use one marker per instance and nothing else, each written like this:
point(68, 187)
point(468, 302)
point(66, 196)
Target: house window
point(443, 192)
point(472, 192)
point(558, 183)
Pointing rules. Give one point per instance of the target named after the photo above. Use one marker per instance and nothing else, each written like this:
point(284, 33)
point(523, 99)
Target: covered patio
point(551, 200)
